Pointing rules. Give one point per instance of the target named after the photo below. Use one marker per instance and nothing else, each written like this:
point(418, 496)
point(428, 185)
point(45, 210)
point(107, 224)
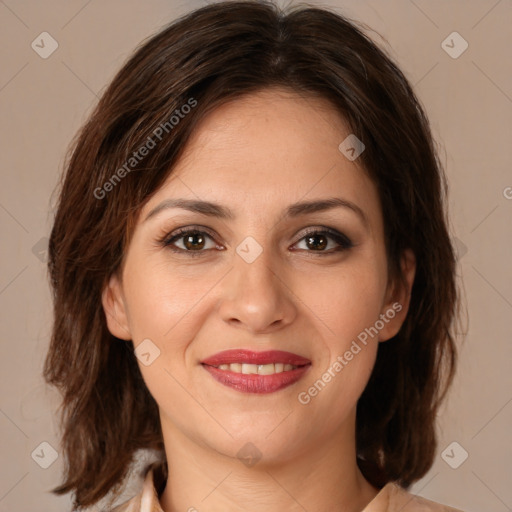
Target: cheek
point(345, 308)
point(162, 302)
point(345, 305)
point(346, 300)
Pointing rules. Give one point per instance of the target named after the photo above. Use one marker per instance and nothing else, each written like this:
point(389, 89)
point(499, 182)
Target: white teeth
point(234, 367)
point(266, 369)
point(259, 369)
point(249, 368)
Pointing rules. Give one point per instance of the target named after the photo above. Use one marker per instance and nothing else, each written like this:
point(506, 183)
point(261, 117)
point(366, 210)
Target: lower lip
point(253, 383)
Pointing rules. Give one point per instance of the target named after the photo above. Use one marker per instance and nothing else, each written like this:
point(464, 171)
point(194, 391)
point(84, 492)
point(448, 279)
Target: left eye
point(319, 241)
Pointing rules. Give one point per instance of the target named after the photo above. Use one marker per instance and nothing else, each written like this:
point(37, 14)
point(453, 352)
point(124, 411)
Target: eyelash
point(343, 241)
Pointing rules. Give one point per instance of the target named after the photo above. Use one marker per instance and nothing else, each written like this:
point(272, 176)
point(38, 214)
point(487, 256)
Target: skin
point(257, 155)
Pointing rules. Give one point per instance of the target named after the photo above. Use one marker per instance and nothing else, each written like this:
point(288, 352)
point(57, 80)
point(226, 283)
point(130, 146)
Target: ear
point(398, 295)
point(114, 306)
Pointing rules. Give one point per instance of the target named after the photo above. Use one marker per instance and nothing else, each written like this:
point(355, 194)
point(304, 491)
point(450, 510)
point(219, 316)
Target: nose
point(256, 296)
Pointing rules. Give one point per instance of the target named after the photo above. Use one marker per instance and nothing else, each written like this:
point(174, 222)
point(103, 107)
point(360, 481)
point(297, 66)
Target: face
point(267, 275)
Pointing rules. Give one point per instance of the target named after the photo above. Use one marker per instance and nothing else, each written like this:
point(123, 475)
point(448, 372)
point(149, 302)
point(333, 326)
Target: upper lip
point(250, 357)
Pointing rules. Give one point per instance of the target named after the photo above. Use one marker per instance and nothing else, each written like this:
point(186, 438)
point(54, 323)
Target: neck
point(323, 477)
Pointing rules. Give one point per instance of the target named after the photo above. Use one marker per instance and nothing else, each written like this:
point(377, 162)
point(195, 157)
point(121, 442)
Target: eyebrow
point(294, 210)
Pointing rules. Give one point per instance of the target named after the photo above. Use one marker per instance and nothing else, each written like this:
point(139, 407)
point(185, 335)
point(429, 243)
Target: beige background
point(469, 100)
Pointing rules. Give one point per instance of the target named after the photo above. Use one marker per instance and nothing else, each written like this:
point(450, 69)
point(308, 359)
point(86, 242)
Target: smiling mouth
point(257, 378)
point(257, 369)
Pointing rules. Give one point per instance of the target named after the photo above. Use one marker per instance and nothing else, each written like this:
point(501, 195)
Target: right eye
point(194, 241)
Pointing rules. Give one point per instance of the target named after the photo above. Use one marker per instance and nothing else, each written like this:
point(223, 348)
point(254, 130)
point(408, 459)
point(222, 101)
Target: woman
point(252, 273)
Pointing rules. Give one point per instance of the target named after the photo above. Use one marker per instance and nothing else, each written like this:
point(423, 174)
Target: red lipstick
point(250, 357)
point(255, 383)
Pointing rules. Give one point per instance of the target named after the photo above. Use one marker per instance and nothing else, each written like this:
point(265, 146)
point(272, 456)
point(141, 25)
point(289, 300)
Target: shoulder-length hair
point(204, 59)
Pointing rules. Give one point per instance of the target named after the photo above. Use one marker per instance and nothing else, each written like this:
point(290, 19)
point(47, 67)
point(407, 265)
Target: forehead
point(274, 121)
point(267, 150)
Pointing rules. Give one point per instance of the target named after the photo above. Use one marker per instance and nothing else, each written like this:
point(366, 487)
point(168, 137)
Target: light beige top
point(391, 498)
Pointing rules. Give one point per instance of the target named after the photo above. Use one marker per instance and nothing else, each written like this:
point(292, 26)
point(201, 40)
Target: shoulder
point(132, 505)
point(145, 501)
point(393, 498)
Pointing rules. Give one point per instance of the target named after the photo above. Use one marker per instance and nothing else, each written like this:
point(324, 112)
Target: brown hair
point(206, 58)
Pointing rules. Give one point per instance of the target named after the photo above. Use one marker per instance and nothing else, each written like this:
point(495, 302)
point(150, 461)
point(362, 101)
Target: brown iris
point(194, 241)
point(321, 245)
